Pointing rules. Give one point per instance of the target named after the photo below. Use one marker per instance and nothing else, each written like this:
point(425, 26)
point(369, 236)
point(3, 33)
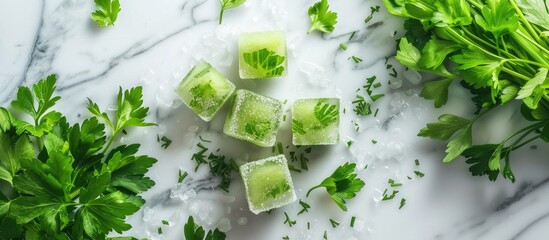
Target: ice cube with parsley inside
point(262, 54)
point(254, 118)
point(268, 183)
point(315, 121)
point(204, 90)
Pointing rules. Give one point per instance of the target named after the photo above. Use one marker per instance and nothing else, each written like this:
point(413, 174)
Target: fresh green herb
point(200, 157)
point(159, 230)
point(322, 19)
point(219, 165)
point(362, 108)
point(257, 129)
point(393, 183)
point(204, 140)
point(343, 46)
point(304, 207)
point(68, 183)
point(419, 173)
point(165, 222)
point(342, 184)
point(279, 148)
point(376, 112)
point(402, 203)
point(389, 197)
point(352, 35)
point(274, 192)
point(265, 60)
point(204, 95)
point(372, 11)
point(356, 59)
point(288, 220)
point(294, 169)
point(106, 12)
point(286, 238)
point(349, 143)
point(181, 176)
point(498, 49)
point(334, 223)
point(417, 162)
point(193, 231)
point(308, 225)
point(374, 141)
point(228, 4)
point(326, 113)
point(165, 141)
point(353, 218)
point(325, 236)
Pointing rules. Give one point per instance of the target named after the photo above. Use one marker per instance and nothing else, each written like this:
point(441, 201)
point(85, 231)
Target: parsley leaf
point(297, 127)
point(12, 151)
point(535, 11)
point(437, 90)
point(532, 91)
point(193, 231)
point(326, 113)
point(265, 60)
point(498, 17)
point(447, 126)
point(106, 12)
point(342, 184)
point(322, 19)
point(227, 4)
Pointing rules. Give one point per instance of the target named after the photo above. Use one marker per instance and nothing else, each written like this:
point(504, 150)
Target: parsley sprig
point(321, 18)
point(342, 184)
point(193, 231)
point(106, 12)
point(228, 4)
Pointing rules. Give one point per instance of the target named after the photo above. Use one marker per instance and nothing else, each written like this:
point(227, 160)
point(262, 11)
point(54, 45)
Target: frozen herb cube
point(315, 121)
point(254, 118)
point(262, 54)
point(268, 183)
point(204, 90)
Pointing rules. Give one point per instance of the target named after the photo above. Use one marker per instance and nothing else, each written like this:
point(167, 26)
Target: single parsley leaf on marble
point(342, 184)
point(321, 18)
point(193, 231)
point(265, 60)
point(227, 4)
point(106, 12)
point(326, 113)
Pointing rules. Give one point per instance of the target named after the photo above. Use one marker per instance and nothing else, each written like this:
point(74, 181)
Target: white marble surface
point(154, 44)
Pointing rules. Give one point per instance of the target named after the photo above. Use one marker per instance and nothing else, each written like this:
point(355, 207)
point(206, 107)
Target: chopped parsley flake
point(419, 173)
point(181, 176)
point(288, 220)
point(305, 207)
point(372, 11)
point(402, 203)
point(334, 223)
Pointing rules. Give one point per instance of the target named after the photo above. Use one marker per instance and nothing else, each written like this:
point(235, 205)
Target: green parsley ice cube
point(315, 121)
point(262, 55)
point(268, 183)
point(254, 118)
point(204, 90)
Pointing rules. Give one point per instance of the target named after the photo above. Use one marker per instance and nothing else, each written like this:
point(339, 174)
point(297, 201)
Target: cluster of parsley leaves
point(499, 49)
point(62, 181)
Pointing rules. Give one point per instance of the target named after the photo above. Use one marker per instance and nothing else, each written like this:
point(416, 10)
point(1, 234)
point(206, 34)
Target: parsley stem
point(468, 42)
point(525, 142)
point(523, 20)
point(221, 13)
point(313, 188)
point(111, 139)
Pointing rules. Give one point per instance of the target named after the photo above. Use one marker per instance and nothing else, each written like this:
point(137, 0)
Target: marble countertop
point(155, 43)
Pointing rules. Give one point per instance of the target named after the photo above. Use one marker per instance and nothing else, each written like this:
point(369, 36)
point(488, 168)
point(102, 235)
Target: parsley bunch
point(500, 51)
point(63, 181)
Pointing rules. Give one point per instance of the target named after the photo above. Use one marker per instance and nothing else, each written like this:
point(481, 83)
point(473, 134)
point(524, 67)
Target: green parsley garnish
point(372, 11)
point(402, 203)
point(106, 12)
point(417, 162)
point(288, 220)
point(322, 19)
point(304, 207)
point(334, 223)
point(362, 108)
point(419, 173)
point(192, 231)
point(389, 197)
point(356, 59)
point(393, 183)
point(204, 96)
point(165, 141)
point(257, 129)
point(326, 113)
point(265, 60)
point(181, 176)
point(219, 165)
point(342, 184)
point(349, 143)
point(227, 4)
point(353, 218)
point(343, 46)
